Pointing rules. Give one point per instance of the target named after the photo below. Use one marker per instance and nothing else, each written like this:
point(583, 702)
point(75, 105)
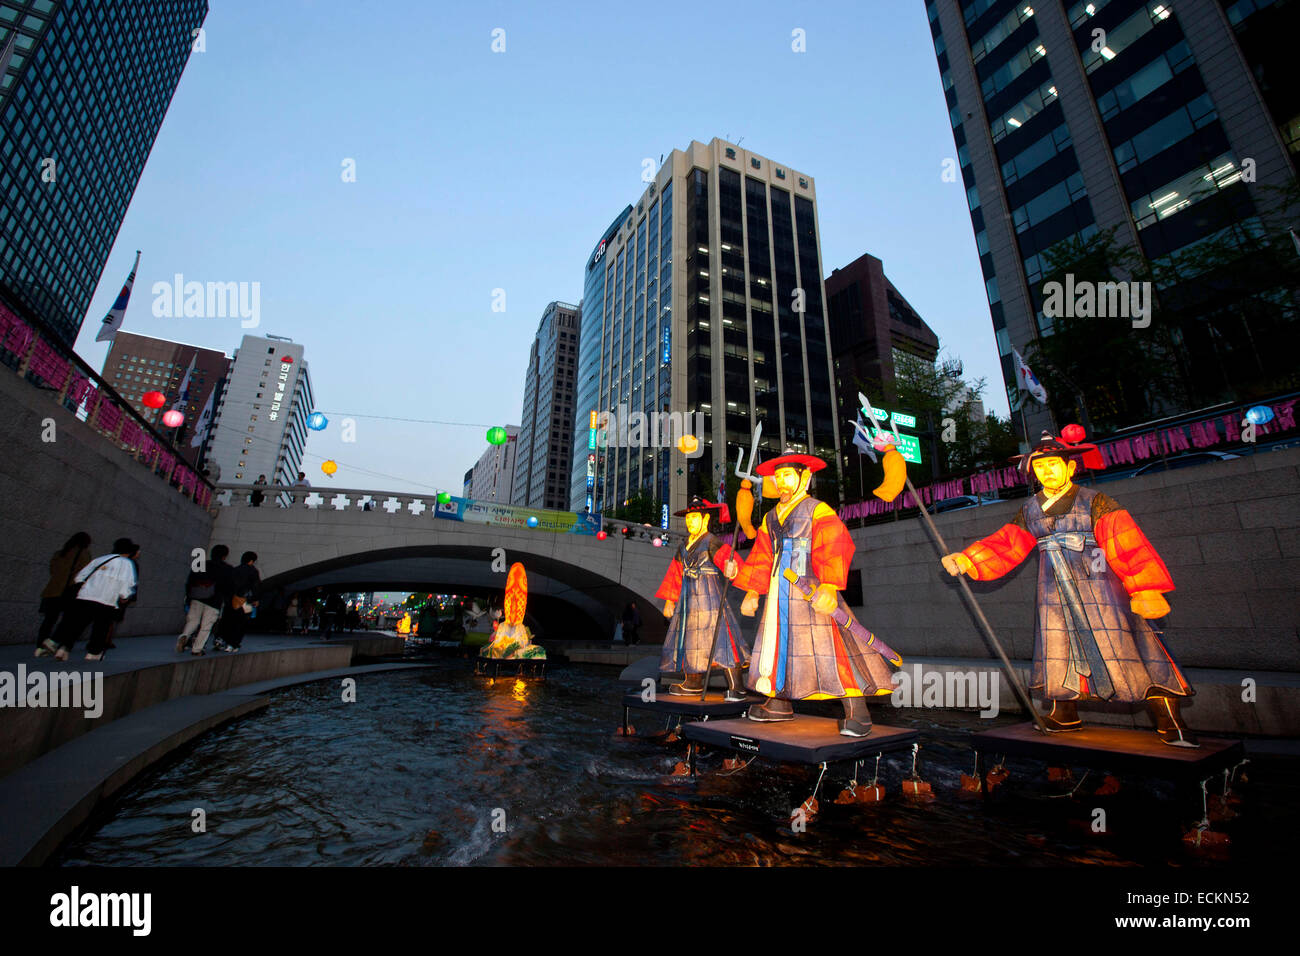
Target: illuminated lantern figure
point(153, 399)
point(329, 467)
point(513, 640)
point(693, 591)
point(404, 625)
point(173, 418)
point(1099, 582)
point(809, 646)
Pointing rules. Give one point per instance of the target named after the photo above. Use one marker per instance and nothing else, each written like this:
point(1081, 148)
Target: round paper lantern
point(601, 536)
point(1073, 433)
point(444, 497)
point(496, 435)
point(532, 521)
point(1259, 415)
point(317, 422)
point(329, 467)
point(173, 418)
point(658, 542)
point(687, 444)
point(287, 359)
point(153, 399)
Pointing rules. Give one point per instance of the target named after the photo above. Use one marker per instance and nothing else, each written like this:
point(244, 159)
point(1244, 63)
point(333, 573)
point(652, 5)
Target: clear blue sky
point(479, 170)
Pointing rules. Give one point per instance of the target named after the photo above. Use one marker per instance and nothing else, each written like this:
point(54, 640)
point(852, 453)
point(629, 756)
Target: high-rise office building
point(260, 425)
point(714, 306)
point(80, 106)
point(870, 323)
point(582, 489)
point(188, 377)
point(492, 477)
point(545, 445)
point(1140, 124)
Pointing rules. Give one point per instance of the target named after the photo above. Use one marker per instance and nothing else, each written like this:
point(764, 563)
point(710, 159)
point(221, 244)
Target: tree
point(641, 508)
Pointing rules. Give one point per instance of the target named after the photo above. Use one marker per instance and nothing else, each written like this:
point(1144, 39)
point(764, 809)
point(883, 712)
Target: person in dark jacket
point(631, 624)
point(245, 584)
point(204, 601)
point(60, 589)
point(334, 611)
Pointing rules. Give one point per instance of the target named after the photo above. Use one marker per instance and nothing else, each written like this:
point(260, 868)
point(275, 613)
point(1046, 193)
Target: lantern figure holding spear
point(804, 649)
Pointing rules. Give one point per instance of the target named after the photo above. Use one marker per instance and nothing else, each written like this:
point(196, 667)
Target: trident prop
point(969, 595)
point(735, 530)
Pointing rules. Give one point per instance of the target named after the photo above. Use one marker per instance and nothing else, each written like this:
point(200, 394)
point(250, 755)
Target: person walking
point(631, 624)
point(334, 611)
point(246, 583)
point(204, 608)
point(258, 497)
point(107, 585)
point(60, 590)
point(224, 578)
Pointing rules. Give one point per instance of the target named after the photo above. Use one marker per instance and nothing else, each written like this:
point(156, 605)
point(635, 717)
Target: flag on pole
point(184, 394)
point(1026, 379)
point(862, 439)
point(113, 321)
point(204, 422)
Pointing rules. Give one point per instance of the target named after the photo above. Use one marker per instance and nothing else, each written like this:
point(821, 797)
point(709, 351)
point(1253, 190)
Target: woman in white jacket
point(107, 584)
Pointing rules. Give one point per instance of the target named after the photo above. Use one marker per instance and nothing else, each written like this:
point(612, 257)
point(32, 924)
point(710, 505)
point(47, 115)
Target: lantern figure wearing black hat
point(693, 592)
point(809, 647)
point(1099, 582)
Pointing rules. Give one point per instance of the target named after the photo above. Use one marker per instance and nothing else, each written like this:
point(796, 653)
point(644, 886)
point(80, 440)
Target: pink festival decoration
point(1119, 451)
point(173, 418)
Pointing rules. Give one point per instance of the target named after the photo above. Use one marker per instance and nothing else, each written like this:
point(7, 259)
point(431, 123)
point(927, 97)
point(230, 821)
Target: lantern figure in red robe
point(1099, 582)
point(809, 645)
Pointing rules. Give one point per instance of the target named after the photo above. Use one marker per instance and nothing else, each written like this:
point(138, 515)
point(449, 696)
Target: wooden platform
point(1111, 748)
point(513, 667)
point(811, 740)
point(691, 708)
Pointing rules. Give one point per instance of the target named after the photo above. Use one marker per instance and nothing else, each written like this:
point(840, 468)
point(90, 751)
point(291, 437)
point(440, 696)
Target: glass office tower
point(582, 489)
point(1140, 124)
point(713, 311)
point(80, 106)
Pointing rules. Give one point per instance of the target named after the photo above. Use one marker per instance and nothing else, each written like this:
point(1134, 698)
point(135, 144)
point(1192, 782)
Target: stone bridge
point(364, 540)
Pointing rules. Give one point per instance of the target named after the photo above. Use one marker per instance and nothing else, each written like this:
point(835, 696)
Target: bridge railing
point(413, 505)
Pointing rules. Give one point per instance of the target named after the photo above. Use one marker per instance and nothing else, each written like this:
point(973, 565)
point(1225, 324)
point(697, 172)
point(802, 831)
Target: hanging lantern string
point(418, 421)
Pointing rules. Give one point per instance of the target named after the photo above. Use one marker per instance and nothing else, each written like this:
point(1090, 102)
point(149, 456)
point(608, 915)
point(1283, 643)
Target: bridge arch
point(577, 584)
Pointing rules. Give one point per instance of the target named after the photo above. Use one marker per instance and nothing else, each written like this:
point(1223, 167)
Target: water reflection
point(428, 767)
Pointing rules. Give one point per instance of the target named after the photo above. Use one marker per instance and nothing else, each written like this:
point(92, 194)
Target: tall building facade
point(189, 377)
point(492, 477)
point(714, 306)
point(260, 424)
point(545, 445)
point(870, 322)
point(582, 487)
point(1143, 121)
point(80, 106)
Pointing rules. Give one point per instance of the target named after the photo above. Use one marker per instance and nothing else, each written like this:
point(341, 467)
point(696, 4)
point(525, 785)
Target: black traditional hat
point(703, 504)
point(1049, 446)
point(788, 459)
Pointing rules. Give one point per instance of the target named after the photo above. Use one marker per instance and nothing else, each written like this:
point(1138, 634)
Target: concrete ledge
point(142, 673)
point(373, 644)
point(43, 803)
